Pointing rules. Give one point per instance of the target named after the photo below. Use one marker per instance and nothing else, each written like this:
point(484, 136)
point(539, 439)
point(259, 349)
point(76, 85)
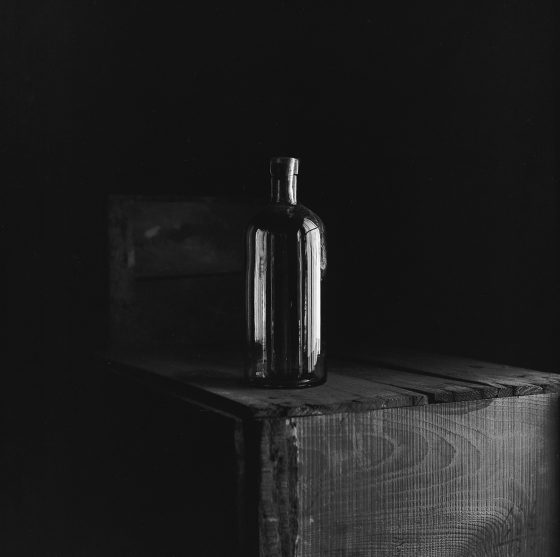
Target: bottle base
point(268, 383)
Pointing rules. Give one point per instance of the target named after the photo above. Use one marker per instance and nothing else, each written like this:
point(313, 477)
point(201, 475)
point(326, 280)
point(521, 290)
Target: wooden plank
point(473, 478)
point(435, 388)
point(215, 380)
point(508, 380)
point(277, 494)
point(217, 384)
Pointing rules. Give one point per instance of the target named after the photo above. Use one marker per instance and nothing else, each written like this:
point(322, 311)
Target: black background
point(426, 137)
point(426, 133)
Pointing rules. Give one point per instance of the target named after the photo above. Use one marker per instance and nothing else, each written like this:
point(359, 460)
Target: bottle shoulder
point(286, 217)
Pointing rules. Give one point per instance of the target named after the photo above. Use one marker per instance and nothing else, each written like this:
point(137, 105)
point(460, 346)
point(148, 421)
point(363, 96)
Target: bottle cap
point(283, 166)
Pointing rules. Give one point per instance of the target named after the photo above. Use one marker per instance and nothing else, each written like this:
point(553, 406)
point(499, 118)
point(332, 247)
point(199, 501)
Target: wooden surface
point(474, 478)
point(217, 384)
point(382, 461)
point(505, 380)
point(216, 381)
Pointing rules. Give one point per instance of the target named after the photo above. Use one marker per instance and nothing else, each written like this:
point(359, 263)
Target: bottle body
point(285, 266)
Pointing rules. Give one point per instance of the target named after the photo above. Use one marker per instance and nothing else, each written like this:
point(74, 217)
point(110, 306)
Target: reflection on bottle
point(259, 287)
point(286, 261)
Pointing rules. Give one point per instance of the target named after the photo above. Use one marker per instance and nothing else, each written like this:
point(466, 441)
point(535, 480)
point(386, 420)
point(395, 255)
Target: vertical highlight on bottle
point(285, 267)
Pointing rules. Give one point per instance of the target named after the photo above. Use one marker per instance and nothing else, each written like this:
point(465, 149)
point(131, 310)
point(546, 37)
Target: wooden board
point(505, 380)
point(434, 387)
point(216, 383)
point(476, 478)
point(215, 380)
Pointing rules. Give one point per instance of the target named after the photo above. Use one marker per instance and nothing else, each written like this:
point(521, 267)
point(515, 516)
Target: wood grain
point(505, 380)
point(434, 387)
point(278, 498)
point(215, 380)
point(217, 383)
point(372, 464)
point(474, 478)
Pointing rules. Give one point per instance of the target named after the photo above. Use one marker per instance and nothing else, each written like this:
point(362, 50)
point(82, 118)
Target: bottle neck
point(284, 189)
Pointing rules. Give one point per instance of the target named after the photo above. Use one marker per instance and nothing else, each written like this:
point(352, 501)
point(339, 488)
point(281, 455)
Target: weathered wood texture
point(351, 387)
point(503, 380)
point(469, 478)
point(218, 384)
point(372, 463)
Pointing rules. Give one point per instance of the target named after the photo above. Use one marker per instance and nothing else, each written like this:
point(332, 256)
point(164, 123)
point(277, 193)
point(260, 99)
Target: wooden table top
point(389, 379)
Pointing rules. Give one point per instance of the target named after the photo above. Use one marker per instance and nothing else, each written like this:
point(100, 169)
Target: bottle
point(285, 265)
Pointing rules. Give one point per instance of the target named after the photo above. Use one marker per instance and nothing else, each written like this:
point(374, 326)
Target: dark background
point(426, 133)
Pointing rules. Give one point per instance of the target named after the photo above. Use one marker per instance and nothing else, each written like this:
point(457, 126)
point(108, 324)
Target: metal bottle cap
point(283, 166)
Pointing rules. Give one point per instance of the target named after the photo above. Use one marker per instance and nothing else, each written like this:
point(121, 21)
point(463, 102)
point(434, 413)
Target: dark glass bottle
point(285, 265)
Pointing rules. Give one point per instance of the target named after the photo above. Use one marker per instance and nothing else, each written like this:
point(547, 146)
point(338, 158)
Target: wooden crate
point(176, 269)
point(396, 455)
